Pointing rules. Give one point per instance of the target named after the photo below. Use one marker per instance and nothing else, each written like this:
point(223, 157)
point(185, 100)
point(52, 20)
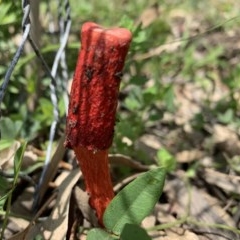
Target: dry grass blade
point(50, 171)
point(120, 159)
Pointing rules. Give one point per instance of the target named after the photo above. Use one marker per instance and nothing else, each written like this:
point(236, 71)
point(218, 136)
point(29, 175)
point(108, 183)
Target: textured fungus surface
point(92, 107)
point(95, 87)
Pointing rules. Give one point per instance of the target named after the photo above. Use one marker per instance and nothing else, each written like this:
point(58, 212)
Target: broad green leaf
point(132, 231)
point(99, 234)
point(135, 201)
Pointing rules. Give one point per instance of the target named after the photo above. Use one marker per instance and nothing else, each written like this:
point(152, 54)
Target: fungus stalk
point(92, 107)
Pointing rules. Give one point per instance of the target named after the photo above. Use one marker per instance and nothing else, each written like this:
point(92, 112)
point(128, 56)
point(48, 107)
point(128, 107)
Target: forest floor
point(179, 105)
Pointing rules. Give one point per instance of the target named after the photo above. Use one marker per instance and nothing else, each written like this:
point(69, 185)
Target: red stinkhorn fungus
point(92, 107)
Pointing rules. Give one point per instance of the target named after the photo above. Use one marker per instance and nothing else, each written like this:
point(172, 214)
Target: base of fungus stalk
point(95, 169)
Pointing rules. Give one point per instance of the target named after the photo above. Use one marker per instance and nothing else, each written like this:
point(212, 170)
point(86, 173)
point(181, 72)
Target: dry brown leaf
point(223, 133)
point(82, 201)
point(29, 159)
point(179, 234)
point(149, 143)
point(149, 221)
point(188, 99)
point(15, 225)
point(7, 155)
point(149, 15)
point(187, 156)
point(124, 182)
point(202, 207)
point(23, 204)
point(229, 183)
point(163, 213)
point(19, 236)
point(177, 22)
point(226, 140)
point(55, 227)
point(83, 237)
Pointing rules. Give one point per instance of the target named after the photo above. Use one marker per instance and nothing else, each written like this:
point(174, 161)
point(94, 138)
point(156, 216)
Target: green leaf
point(6, 17)
point(166, 159)
point(126, 22)
point(2, 203)
point(135, 201)
point(99, 234)
point(226, 117)
point(9, 128)
point(38, 237)
point(18, 160)
point(46, 107)
point(5, 143)
point(132, 231)
point(169, 98)
point(212, 57)
point(140, 35)
point(4, 185)
point(134, 101)
point(138, 80)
